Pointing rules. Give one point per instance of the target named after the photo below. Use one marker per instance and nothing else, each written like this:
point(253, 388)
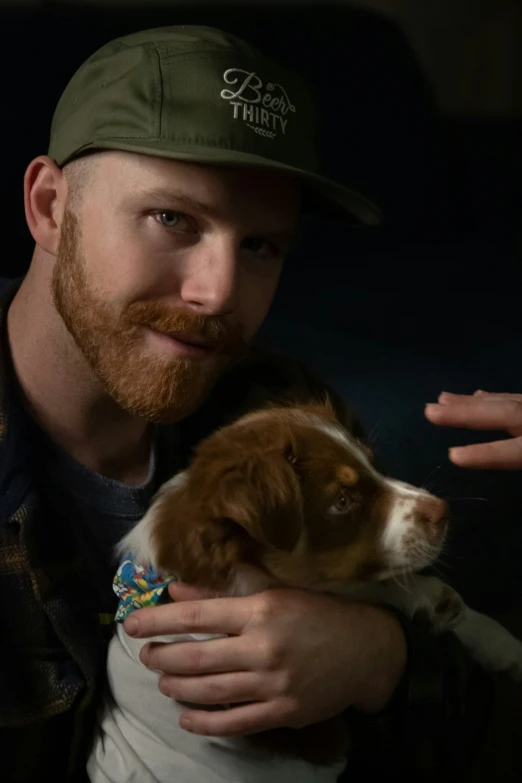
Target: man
point(179, 162)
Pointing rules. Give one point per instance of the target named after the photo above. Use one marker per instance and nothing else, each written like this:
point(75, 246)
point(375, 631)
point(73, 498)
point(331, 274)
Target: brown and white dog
point(286, 496)
point(290, 494)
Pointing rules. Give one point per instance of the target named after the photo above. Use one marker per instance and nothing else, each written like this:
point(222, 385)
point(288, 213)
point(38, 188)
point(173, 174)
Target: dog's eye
point(342, 503)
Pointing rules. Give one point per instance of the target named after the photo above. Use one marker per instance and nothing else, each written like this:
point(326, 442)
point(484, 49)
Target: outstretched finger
point(476, 413)
point(497, 395)
point(498, 455)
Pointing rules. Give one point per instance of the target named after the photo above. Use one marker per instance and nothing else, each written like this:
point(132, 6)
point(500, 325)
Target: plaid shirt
point(55, 631)
point(53, 642)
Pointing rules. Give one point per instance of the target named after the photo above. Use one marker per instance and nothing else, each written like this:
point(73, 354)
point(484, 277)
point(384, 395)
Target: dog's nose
point(434, 513)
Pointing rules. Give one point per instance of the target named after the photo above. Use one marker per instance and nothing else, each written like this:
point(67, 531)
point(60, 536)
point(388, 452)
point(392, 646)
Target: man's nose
point(211, 278)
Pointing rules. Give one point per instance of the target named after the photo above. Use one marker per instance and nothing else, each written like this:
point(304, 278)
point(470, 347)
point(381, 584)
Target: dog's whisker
point(401, 579)
point(372, 436)
point(423, 485)
point(485, 500)
point(437, 570)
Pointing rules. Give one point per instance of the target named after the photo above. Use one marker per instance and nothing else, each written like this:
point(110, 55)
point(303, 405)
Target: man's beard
point(156, 387)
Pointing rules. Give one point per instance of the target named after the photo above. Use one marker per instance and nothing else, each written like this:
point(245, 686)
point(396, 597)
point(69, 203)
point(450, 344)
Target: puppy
point(285, 496)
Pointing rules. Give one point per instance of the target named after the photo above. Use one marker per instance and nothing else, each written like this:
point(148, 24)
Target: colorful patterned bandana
point(137, 587)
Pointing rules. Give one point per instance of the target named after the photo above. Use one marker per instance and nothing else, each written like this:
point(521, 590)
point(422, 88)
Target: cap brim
point(321, 195)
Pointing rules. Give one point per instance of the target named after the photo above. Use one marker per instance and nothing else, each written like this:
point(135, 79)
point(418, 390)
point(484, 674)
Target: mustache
point(222, 335)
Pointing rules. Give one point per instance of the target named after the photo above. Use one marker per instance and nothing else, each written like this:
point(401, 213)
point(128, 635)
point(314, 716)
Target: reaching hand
point(482, 411)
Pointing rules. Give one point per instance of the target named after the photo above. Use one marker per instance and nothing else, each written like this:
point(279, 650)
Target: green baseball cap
point(200, 95)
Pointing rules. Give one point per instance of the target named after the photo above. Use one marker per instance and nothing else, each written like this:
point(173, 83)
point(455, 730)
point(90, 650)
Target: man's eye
point(169, 218)
point(255, 244)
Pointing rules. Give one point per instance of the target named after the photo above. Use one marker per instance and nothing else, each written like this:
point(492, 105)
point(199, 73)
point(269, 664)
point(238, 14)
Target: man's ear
point(263, 496)
point(45, 192)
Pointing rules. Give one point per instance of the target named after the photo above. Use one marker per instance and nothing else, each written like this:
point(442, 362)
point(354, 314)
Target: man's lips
point(199, 342)
point(184, 346)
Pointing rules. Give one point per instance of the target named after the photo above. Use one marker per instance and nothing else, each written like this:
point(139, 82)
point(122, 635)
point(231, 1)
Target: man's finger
point(235, 688)
point(227, 654)
point(212, 615)
point(247, 719)
point(450, 396)
point(476, 413)
point(446, 398)
point(498, 455)
point(497, 395)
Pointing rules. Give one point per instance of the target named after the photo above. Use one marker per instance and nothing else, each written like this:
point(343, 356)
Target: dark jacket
point(55, 629)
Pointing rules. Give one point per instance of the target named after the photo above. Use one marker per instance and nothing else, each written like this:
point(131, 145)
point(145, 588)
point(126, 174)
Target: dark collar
point(15, 425)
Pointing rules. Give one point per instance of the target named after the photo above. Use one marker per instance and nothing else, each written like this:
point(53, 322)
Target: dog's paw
point(492, 646)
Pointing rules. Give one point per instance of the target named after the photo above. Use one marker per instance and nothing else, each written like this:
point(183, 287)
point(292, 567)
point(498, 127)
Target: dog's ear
point(205, 522)
point(262, 494)
point(179, 535)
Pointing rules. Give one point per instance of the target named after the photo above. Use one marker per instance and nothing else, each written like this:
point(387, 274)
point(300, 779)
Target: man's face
point(166, 273)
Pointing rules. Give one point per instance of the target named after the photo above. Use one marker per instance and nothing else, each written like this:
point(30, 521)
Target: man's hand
point(290, 658)
point(482, 411)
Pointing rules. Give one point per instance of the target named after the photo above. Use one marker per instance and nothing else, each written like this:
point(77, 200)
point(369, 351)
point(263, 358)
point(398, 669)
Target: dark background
point(391, 315)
